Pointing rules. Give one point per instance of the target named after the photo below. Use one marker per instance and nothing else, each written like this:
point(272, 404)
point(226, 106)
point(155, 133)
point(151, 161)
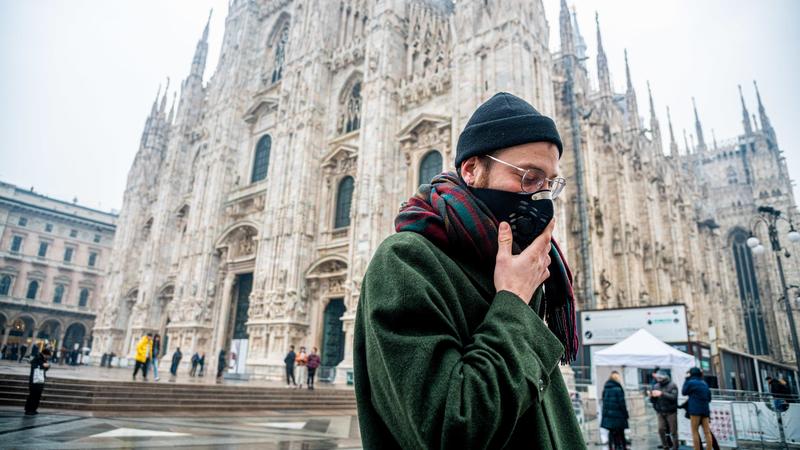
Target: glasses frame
point(558, 182)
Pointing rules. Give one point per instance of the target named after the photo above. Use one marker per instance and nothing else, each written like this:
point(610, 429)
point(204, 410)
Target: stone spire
point(565, 29)
point(172, 107)
point(162, 109)
point(673, 146)
point(630, 97)
point(748, 128)
point(766, 125)
point(701, 142)
point(686, 143)
point(201, 52)
point(655, 128)
point(580, 43)
point(714, 138)
point(154, 108)
point(603, 76)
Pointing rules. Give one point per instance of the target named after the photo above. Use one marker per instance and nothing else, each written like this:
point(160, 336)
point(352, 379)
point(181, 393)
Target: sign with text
point(609, 326)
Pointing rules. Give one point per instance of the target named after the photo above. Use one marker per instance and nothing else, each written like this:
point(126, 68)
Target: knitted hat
point(504, 120)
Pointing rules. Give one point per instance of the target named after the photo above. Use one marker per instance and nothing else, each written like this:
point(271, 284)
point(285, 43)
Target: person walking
point(195, 362)
point(142, 354)
point(202, 363)
point(23, 349)
point(313, 362)
point(155, 352)
point(614, 412)
point(39, 366)
point(222, 362)
point(698, 407)
point(301, 369)
point(289, 361)
point(176, 360)
point(664, 397)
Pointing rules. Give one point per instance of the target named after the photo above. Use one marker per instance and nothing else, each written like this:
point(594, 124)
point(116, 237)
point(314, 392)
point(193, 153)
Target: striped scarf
point(447, 214)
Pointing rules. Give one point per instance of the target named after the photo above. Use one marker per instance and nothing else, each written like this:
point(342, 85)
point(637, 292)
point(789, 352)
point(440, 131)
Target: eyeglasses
point(535, 180)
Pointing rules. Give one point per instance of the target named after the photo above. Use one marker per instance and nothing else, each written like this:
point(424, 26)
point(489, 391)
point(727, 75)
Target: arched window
point(430, 166)
point(261, 159)
point(5, 284)
point(344, 198)
point(749, 295)
point(732, 176)
point(33, 287)
point(58, 294)
point(351, 119)
point(83, 300)
point(280, 53)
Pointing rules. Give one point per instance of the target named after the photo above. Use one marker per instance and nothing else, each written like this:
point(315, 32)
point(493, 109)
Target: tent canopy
point(642, 349)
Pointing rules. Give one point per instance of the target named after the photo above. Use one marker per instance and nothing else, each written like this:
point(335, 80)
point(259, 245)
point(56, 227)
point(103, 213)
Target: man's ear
point(469, 170)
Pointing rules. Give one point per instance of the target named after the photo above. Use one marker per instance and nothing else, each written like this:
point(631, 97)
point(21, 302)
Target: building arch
point(75, 334)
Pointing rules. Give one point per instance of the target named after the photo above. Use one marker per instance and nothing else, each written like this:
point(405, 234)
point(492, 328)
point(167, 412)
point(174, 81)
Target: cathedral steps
point(111, 396)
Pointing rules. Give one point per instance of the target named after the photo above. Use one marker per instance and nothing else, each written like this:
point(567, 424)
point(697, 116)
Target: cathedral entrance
point(239, 337)
point(332, 338)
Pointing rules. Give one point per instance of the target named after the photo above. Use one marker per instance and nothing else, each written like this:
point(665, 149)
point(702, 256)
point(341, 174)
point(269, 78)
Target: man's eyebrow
point(534, 166)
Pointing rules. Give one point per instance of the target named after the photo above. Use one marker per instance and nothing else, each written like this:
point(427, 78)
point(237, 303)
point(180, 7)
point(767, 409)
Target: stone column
point(224, 313)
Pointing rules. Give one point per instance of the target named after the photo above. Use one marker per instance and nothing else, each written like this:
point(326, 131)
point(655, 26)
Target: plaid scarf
point(447, 214)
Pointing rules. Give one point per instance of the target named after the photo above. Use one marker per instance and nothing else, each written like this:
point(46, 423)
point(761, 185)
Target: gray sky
point(78, 77)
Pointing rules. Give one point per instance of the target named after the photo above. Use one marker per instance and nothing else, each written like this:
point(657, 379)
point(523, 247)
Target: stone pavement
point(55, 429)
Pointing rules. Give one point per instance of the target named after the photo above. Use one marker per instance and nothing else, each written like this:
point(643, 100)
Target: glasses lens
point(533, 180)
point(557, 186)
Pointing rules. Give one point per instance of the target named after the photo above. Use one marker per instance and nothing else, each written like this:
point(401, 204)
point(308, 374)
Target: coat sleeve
point(671, 393)
point(433, 384)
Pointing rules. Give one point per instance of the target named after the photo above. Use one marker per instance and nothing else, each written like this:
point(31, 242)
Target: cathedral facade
point(255, 202)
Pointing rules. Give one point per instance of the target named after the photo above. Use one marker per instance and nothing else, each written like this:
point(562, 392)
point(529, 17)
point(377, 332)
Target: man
point(176, 361)
point(222, 364)
point(289, 361)
point(39, 366)
point(664, 397)
point(450, 346)
point(195, 362)
point(301, 371)
point(313, 362)
point(142, 355)
point(698, 407)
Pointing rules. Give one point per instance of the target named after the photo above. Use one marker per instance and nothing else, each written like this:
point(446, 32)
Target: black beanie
point(504, 120)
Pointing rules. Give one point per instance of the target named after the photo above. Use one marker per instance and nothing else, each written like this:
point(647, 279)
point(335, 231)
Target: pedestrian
point(63, 358)
point(614, 412)
point(141, 357)
point(23, 349)
point(14, 351)
point(301, 371)
point(34, 350)
point(3, 352)
point(202, 363)
point(39, 366)
point(313, 363)
point(74, 354)
point(195, 362)
point(466, 311)
point(176, 360)
point(155, 352)
point(698, 407)
point(781, 393)
point(664, 397)
point(289, 361)
point(221, 365)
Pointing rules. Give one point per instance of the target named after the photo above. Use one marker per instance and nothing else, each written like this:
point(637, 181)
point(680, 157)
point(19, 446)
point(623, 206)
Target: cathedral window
point(344, 199)
point(261, 159)
point(280, 53)
point(83, 300)
point(430, 166)
point(5, 284)
point(33, 287)
point(732, 177)
point(351, 117)
point(58, 294)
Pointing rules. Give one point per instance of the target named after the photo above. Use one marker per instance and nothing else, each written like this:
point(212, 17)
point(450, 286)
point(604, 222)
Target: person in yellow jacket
point(143, 355)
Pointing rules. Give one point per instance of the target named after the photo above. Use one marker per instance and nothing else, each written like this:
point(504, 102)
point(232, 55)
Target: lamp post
point(770, 216)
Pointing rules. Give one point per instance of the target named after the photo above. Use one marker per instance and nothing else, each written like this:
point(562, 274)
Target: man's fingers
point(504, 239)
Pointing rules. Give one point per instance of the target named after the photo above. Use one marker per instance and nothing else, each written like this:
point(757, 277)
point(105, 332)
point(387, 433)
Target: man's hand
point(656, 393)
point(522, 274)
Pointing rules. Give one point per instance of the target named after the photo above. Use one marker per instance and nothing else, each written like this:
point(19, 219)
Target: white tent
point(641, 350)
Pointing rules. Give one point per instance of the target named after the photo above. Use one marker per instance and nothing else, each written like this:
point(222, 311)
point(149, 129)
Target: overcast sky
point(78, 77)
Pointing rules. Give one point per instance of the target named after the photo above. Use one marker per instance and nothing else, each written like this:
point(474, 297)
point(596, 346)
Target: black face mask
point(527, 214)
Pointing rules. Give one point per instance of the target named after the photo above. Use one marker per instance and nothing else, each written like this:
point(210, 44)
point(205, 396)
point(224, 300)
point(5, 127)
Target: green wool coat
point(442, 361)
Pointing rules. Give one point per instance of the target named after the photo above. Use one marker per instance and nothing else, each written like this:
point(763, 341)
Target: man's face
point(482, 172)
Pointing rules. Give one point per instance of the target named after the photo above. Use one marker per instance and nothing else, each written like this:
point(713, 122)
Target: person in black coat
point(615, 412)
point(176, 360)
point(289, 361)
point(35, 389)
point(222, 362)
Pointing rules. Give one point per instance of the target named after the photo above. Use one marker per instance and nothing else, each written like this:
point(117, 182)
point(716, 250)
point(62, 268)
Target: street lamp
point(770, 216)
